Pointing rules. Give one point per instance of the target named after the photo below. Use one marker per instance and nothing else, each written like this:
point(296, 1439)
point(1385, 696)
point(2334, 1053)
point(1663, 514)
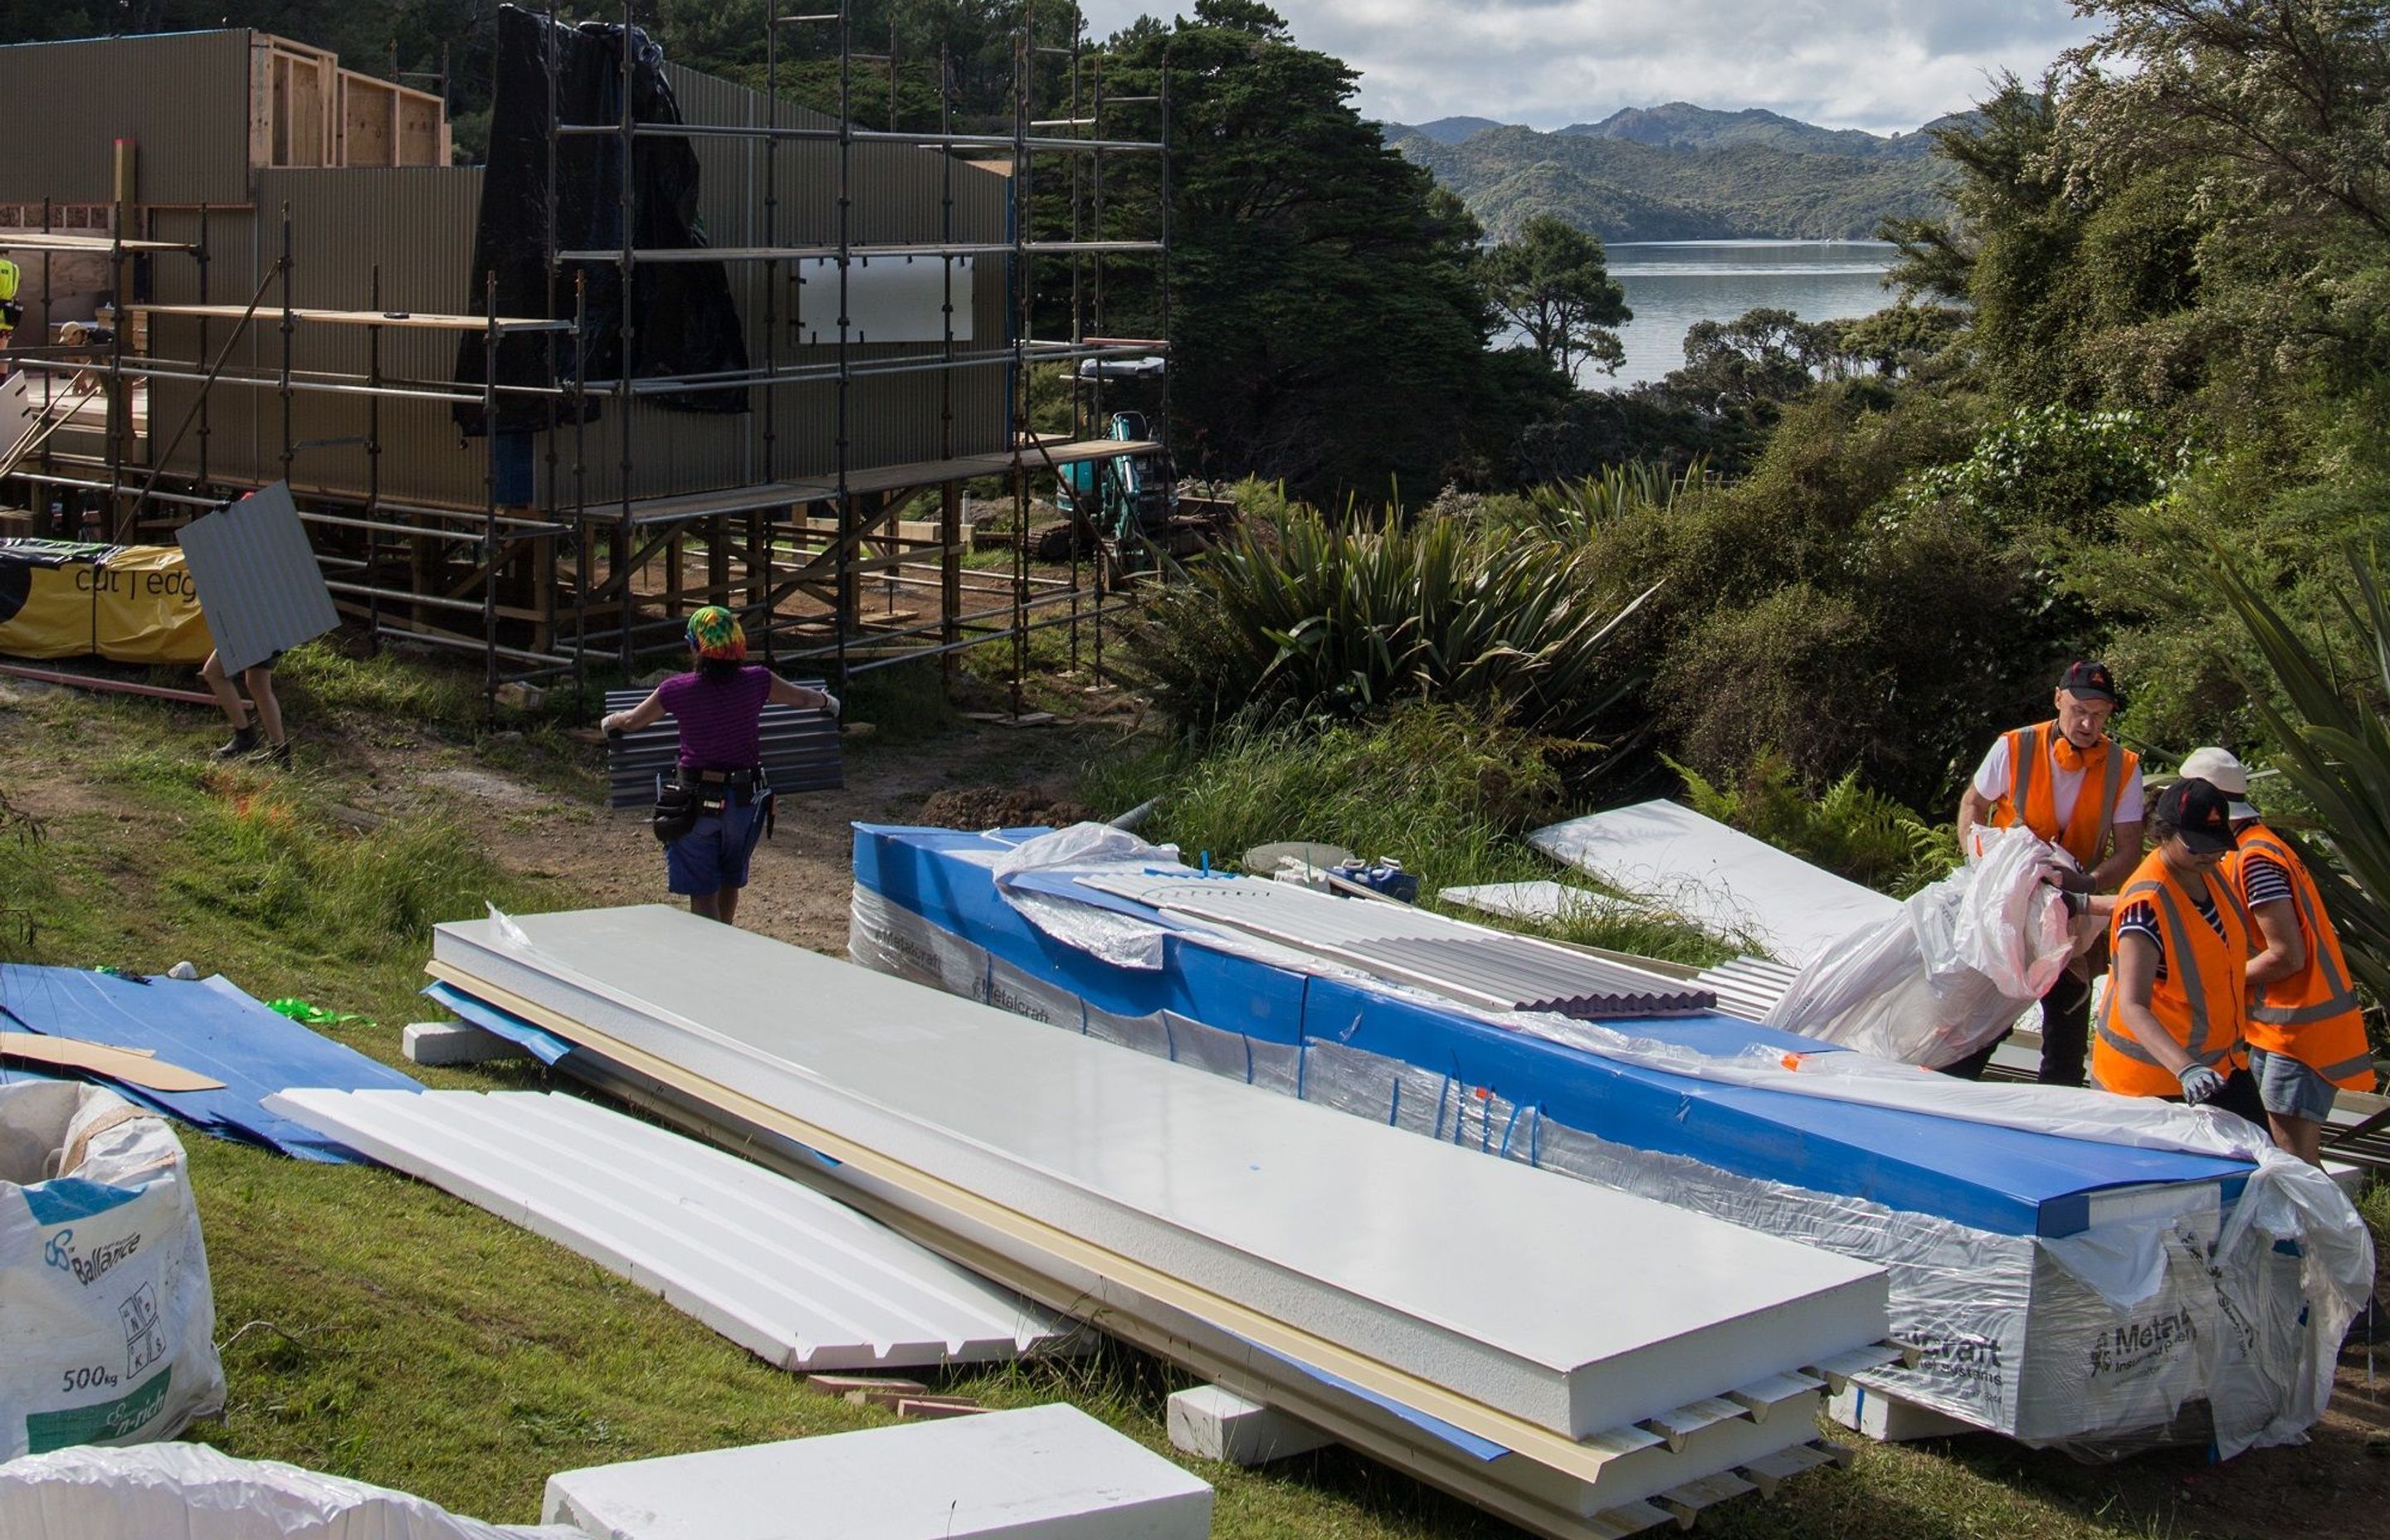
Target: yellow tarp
point(135, 603)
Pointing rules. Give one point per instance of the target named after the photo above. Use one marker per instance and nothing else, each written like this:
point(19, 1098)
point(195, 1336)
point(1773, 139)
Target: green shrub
point(1330, 621)
point(2051, 466)
point(2335, 739)
point(1858, 833)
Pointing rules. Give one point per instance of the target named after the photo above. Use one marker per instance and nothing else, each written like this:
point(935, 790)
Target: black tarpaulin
point(682, 319)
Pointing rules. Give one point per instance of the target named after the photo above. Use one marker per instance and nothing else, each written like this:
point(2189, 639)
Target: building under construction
point(679, 342)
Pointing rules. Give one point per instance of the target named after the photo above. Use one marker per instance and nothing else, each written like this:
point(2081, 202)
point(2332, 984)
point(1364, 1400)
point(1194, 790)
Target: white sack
point(105, 1315)
point(191, 1491)
point(1946, 974)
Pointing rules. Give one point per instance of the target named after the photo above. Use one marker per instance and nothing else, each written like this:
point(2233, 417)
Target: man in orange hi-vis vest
point(2171, 1026)
point(2305, 1030)
point(2072, 784)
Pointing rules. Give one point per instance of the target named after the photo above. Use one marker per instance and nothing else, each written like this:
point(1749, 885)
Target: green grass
point(378, 1328)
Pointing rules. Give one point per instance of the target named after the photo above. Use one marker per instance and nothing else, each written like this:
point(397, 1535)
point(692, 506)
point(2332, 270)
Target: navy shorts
point(2289, 1089)
point(714, 855)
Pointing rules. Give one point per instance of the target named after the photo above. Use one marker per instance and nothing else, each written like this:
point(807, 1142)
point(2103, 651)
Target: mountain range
point(1684, 172)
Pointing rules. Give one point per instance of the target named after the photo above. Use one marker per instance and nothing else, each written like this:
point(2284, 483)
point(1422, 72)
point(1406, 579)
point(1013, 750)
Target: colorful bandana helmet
point(715, 633)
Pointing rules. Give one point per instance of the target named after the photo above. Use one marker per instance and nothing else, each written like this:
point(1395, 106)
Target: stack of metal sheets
point(801, 750)
point(1581, 1361)
point(1478, 966)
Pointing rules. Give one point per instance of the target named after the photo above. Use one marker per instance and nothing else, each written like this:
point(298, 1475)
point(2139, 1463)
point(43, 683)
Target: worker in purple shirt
point(719, 803)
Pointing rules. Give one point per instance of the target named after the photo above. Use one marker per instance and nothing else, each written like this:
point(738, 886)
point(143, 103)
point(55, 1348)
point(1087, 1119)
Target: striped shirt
point(2263, 880)
point(2141, 918)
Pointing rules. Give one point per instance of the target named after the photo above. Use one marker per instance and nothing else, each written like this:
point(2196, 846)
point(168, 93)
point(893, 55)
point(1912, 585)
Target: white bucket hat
point(2220, 770)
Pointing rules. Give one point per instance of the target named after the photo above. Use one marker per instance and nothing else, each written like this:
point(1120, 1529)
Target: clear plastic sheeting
point(191, 1491)
point(1949, 972)
point(1087, 849)
point(2289, 1266)
point(106, 1315)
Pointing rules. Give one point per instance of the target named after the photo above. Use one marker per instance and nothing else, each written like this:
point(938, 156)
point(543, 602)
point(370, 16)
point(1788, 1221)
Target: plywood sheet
point(794, 1278)
point(129, 1065)
point(1472, 1273)
point(1041, 1473)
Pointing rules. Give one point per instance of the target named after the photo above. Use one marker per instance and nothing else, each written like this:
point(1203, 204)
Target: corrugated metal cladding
point(181, 98)
point(418, 223)
point(415, 225)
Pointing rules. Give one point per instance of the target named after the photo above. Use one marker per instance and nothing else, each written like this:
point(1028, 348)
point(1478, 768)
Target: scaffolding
point(547, 590)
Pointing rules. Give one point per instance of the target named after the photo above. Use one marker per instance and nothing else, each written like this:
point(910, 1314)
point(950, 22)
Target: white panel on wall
point(888, 299)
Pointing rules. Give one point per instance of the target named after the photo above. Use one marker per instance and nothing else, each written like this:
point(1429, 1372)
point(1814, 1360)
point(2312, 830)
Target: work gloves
point(2199, 1083)
point(829, 703)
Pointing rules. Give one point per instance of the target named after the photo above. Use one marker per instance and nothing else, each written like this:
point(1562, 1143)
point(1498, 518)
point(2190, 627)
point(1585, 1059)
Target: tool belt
point(689, 794)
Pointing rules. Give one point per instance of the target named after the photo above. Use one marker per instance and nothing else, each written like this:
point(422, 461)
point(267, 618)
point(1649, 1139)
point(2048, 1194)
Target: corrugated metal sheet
point(1481, 966)
point(182, 98)
point(259, 584)
point(415, 224)
point(800, 1280)
point(801, 750)
point(1749, 987)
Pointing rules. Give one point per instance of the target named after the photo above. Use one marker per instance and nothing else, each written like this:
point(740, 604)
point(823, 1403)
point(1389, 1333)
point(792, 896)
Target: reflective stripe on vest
point(2317, 998)
point(2211, 1038)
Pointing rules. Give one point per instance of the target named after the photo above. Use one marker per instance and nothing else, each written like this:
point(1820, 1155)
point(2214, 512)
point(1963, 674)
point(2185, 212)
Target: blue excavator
point(1127, 501)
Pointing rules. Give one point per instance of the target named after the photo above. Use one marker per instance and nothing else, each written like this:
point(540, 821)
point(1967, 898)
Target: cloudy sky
point(1882, 65)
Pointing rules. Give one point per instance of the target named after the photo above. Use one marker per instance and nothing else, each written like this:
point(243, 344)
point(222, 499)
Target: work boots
point(244, 742)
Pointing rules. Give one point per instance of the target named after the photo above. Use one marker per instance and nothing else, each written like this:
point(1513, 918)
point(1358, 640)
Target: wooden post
point(759, 562)
point(950, 575)
point(676, 578)
point(120, 389)
point(717, 561)
point(543, 602)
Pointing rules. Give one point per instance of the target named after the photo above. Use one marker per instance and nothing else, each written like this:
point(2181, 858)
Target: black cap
point(2090, 680)
point(2201, 813)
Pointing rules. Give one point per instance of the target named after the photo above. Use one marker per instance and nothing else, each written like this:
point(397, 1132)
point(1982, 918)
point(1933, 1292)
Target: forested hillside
point(1671, 174)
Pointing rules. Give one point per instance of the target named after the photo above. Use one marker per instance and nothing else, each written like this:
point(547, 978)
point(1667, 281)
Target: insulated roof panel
point(796, 1279)
point(1718, 877)
point(1040, 1474)
point(1544, 1299)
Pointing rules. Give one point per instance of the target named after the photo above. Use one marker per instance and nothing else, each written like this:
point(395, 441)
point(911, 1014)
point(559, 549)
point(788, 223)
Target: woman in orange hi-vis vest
point(2306, 1033)
point(2078, 789)
point(2171, 1026)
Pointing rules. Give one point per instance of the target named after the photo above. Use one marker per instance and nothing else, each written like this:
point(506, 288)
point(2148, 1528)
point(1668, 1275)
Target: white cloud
point(1882, 65)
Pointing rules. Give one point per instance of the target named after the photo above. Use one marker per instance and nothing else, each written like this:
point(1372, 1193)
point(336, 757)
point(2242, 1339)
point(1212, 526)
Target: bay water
point(1670, 285)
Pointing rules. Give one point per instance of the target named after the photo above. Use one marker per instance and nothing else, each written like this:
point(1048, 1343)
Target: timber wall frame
point(545, 589)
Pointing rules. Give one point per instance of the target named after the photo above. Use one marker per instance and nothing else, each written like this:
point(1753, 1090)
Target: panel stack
point(1581, 1362)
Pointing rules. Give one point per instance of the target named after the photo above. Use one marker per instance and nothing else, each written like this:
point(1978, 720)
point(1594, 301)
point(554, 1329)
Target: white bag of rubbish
point(191, 1491)
point(1948, 973)
point(107, 1321)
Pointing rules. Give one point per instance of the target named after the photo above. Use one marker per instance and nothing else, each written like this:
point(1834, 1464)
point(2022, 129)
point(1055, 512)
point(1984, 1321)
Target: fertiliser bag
point(105, 1315)
point(1949, 972)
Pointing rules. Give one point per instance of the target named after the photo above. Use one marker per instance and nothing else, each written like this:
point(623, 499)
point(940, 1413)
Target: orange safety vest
point(2204, 997)
point(2312, 1015)
point(2032, 796)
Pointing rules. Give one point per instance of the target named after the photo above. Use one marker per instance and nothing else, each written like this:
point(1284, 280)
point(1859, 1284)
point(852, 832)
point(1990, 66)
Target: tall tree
point(1327, 328)
point(2288, 99)
point(1553, 283)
